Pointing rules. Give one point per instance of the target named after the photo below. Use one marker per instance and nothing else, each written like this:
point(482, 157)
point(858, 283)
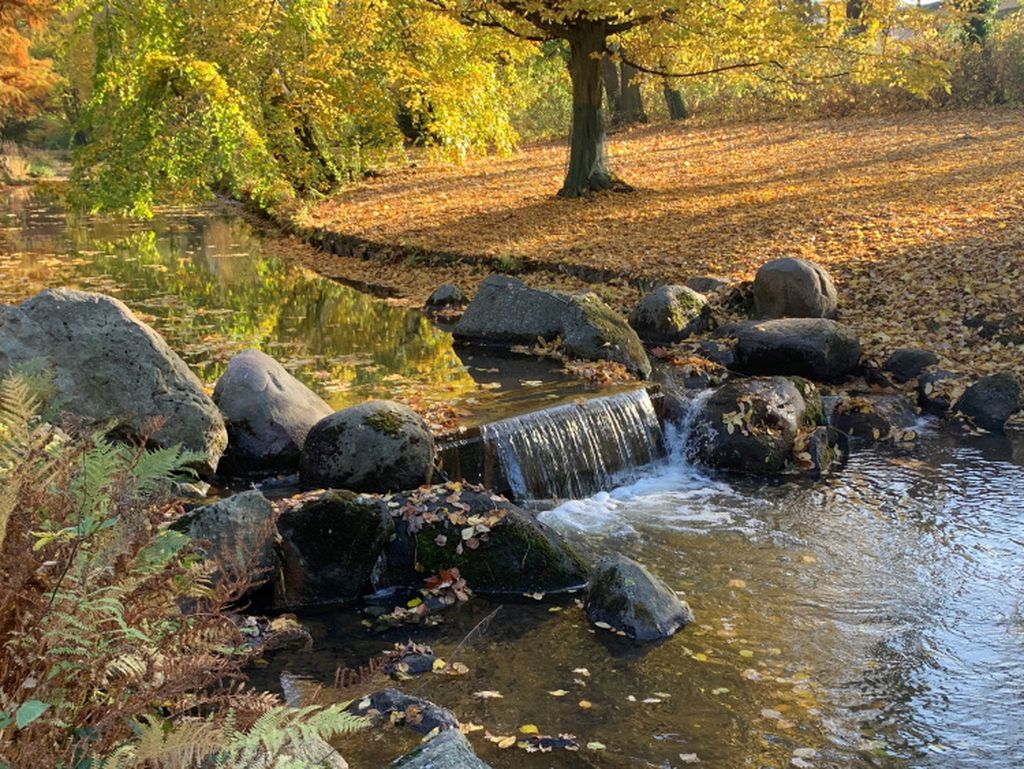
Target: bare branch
point(703, 72)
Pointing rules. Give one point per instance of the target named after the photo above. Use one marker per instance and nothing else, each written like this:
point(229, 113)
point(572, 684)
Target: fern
point(281, 738)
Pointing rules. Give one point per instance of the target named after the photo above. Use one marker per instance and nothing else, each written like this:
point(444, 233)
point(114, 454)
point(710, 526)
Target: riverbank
point(918, 217)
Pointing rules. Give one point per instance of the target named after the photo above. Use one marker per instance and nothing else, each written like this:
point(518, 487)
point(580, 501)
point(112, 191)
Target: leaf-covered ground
point(919, 218)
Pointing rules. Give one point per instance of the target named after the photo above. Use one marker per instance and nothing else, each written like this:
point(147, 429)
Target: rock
point(517, 555)
point(448, 750)
point(937, 391)
point(706, 284)
point(991, 400)
point(507, 311)
point(873, 418)
point(815, 348)
point(907, 363)
point(624, 595)
point(376, 446)
point(824, 448)
point(669, 314)
point(108, 366)
point(446, 297)
point(330, 545)
point(718, 352)
point(748, 425)
point(688, 373)
point(240, 536)
point(793, 288)
point(268, 413)
point(381, 704)
point(283, 632)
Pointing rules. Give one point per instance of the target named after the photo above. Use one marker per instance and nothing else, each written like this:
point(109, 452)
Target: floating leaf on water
point(558, 692)
point(595, 745)
point(439, 664)
point(664, 695)
point(488, 694)
point(737, 583)
point(651, 701)
point(586, 704)
point(603, 625)
point(700, 657)
point(529, 729)
point(581, 671)
point(689, 758)
point(554, 609)
point(506, 742)
point(468, 727)
point(720, 690)
point(746, 653)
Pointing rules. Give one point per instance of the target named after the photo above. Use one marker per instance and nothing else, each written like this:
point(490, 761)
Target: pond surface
point(873, 619)
point(212, 286)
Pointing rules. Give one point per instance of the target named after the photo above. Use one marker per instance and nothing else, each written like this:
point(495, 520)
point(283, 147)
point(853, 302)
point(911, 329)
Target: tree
point(787, 42)
point(25, 81)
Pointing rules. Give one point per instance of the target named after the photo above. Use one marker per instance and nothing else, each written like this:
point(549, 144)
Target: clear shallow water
point(873, 619)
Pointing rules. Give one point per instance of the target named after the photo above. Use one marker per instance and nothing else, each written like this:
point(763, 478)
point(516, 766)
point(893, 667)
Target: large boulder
point(507, 311)
point(330, 545)
point(669, 314)
point(816, 348)
point(793, 288)
point(268, 413)
point(238, 534)
point(377, 446)
point(749, 425)
point(907, 363)
point(628, 598)
point(497, 547)
point(991, 400)
point(111, 368)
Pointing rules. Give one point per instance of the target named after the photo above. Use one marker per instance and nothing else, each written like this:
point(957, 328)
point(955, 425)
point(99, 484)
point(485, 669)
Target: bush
point(113, 638)
point(1008, 58)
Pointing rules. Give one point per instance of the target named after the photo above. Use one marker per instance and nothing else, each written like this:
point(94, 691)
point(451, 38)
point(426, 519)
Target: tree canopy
point(25, 80)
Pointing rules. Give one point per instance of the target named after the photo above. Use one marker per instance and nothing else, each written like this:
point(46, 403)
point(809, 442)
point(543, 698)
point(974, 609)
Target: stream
point(874, 618)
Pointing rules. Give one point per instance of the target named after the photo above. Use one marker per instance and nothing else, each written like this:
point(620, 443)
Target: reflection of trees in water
point(206, 286)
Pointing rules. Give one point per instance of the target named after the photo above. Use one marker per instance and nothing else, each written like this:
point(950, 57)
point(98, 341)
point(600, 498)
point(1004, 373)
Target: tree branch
point(703, 72)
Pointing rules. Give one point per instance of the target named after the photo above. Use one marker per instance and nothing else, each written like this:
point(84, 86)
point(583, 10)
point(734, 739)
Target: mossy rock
point(628, 598)
point(669, 314)
point(814, 412)
point(330, 545)
point(517, 555)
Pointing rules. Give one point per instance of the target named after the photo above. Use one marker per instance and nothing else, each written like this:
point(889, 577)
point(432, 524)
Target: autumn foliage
point(25, 81)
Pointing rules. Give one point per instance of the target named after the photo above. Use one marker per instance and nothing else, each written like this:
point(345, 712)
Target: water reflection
point(206, 282)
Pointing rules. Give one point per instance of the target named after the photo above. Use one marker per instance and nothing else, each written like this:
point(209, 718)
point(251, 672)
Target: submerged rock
point(624, 595)
point(239, 533)
point(448, 750)
point(991, 400)
point(330, 544)
point(376, 446)
point(815, 348)
point(907, 363)
point(108, 366)
point(793, 288)
point(381, 704)
point(268, 413)
point(496, 546)
point(507, 311)
point(669, 314)
point(749, 425)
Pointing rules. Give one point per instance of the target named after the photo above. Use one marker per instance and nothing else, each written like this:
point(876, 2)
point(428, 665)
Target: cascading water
point(576, 449)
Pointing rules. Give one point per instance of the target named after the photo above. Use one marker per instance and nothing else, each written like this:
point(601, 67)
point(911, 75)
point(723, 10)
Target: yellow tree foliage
point(25, 81)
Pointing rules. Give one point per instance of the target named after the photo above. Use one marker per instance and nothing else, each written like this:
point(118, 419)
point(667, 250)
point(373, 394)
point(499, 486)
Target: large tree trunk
point(674, 102)
point(610, 78)
point(588, 170)
point(631, 108)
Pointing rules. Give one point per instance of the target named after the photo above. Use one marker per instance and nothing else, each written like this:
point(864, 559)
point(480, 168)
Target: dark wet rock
point(815, 348)
point(721, 352)
point(793, 288)
point(238, 533)
point(330, 545)
point(376, 446)
point(749, 425)
point(814, 413)
point(448, 750)
point(689, 373)
point(507, 311)
point(507, 551)
point(937, 391)
point(446, 297)
point(822, 450)
point(669, 314)
point(907, 363)
point(418, 714)
point(268, 414)
point(991, 400)
point(873, 418)
point(706, 284)
point(108, 366)
point(624, 595)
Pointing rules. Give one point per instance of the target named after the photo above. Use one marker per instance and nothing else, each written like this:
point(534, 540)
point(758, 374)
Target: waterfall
point(576, 449)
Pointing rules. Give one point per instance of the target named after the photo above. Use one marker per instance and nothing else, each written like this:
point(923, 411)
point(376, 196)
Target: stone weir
point(568, 451)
